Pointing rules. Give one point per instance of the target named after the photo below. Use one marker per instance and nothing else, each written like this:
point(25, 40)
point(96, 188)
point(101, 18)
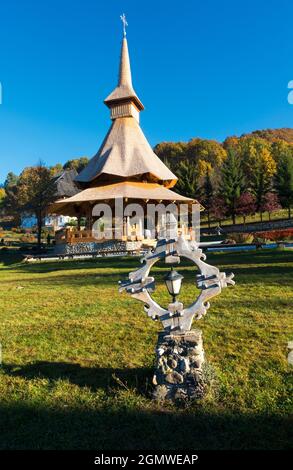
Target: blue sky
point(208, 69)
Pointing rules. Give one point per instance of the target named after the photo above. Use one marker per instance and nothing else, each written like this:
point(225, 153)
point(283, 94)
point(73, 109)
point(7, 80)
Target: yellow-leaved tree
point(259, 166)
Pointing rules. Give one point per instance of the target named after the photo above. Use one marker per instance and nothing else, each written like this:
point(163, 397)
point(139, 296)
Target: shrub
point(241, 237)
point(276, 235)
point(27, 239)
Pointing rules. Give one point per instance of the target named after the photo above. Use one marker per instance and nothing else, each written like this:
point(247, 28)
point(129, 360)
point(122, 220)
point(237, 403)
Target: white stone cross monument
point(180, 356)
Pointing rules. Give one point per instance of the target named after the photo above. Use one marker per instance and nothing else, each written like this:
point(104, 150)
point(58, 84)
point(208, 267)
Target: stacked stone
point(178, 374)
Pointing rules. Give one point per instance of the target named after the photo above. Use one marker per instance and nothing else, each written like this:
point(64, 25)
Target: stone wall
point(93, 247)
point(179, 374)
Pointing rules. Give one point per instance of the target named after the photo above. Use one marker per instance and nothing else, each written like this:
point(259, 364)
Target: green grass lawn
point(276, 215)
point(78, 358)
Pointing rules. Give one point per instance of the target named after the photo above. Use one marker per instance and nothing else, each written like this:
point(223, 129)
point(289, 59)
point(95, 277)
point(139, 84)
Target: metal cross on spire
point(123, 19)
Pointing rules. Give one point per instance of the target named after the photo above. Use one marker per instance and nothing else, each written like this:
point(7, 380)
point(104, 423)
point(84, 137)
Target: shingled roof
point(126, 189)
point(65, 184)
point(124, 89)
point(126, 152)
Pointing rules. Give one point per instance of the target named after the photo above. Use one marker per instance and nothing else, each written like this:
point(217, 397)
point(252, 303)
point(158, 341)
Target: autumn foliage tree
point(245, 205)
point(218, 208)
point(77, 164)
point(2, 197)
point(270, 203)
point(34, 192)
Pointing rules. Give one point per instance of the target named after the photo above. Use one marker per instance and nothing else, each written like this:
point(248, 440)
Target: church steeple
point(125, 154)
point(123, 101)
point(124, 70)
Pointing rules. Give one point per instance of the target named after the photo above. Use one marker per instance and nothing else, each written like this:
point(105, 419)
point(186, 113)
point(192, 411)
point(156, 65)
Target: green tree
point(281, 149)
point(207, 193)
point(77, 164)
point(171, 150)
point(11, 180)
point(187, 179)
point(232, 183)
point(10, 203)
point(56, 169)
point(284, 182)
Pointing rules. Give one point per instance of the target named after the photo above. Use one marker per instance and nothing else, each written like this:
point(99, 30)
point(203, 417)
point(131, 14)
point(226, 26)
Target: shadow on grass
point(243, 274)
point(104, 263)
point(217, 259)
point(10, 257)
point(112, 424)
point(91, 377)
point(34, 427)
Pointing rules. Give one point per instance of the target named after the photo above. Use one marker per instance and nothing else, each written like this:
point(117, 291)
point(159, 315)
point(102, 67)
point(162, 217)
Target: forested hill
point(285, 133)
point(213, 151)
point(253, 171)
point(205, 153)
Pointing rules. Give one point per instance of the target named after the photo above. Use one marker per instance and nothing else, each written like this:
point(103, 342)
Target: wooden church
point(125, 168)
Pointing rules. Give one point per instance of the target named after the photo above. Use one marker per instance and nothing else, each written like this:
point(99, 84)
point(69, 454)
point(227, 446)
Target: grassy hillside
point(78, 358)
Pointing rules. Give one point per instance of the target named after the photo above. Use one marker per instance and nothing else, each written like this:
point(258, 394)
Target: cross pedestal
point(178, 372)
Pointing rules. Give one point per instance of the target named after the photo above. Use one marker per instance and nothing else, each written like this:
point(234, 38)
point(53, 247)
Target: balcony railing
point(72, 236)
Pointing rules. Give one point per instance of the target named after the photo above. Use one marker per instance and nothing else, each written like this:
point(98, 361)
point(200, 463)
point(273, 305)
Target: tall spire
point(124, 70)
point(124, 94)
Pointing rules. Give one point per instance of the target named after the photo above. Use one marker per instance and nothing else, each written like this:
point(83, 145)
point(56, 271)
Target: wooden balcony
point(73, 236)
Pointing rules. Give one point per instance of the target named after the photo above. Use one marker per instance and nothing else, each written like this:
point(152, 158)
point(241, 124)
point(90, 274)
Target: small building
point(125, 168)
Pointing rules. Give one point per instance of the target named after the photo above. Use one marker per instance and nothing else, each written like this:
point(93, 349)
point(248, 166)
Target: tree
point(250, 149)
point(281, 149)
point(35, 191)
point(202, 168)
point(232, 183)
point(56, 169)
point(187, 179)
point(284, 182)
point(171, 150)
point(77, 164)
point(209, 151)
point(218, 208)
point(207, 193)
point(270, 203)
point(10, 203)
point(245, 205)
point(2, 197)
point(258, 165)
point(262, 178)
point(11, 180)
point(231, 142)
